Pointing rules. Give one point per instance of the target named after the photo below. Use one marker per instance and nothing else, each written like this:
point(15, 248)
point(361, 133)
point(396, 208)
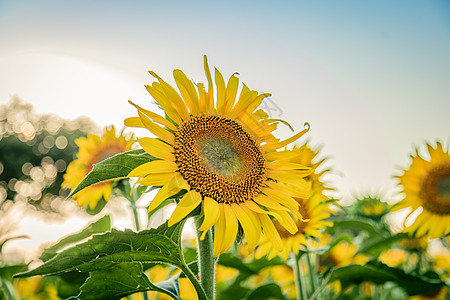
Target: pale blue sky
point(371, 77)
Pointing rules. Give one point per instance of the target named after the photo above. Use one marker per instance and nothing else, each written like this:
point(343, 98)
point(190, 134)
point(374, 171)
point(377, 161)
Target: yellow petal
point(249, 223)
point(230, 93)
point(157, 179)
point(173, 97)
point(211, 213)
point(268, 202)
point(255, 208)
point(187, 204)
point(133, 122)
point(187, 91)
point(220, 84)
point(287, 222)
point(155, 117)
point(176, 184)
point(231, 228)
point(210, 86)
point(219, 232)
point(157, 93)
point(245, 99)
point(273, 147)
point(160, 132)
point(157, 148)
point(156, 166)
point(270, 231)
point(284, 199)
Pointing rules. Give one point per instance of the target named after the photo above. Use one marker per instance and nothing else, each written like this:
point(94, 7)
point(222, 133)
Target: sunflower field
point(234, 212)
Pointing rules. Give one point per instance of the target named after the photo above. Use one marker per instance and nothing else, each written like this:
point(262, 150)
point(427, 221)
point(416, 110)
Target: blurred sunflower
point(314, 209)
point(370, 207)
point(224, 155)
point(93, 149)
point(426, 184)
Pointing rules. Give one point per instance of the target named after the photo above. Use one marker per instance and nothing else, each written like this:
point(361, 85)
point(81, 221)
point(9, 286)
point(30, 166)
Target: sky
point(371, 77)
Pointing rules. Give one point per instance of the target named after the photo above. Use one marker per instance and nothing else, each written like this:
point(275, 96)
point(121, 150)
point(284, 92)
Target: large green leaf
point(100, 226)
point(115, 167)
point(122, 280)
point(103, 253)
point(377, 272)
point(159, 245)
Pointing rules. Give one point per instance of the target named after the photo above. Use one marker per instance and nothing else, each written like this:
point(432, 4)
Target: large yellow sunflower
point(314, 209)
point(94, 149)
point(426, 184)
point(223, 154)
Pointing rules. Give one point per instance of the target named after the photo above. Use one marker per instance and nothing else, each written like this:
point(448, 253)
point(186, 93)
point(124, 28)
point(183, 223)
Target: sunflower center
point(219, 156)
point(220, 159)
point(435, 189)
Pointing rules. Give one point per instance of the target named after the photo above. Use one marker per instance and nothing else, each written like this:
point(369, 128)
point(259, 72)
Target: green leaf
point(100, 226)
point(122, 280)
point(102, 253)
point(7, 272)
point(115, 167)
point(358, 223)
point(268, 291)
point(158, 245)
point(377, 272)
point(376, 246)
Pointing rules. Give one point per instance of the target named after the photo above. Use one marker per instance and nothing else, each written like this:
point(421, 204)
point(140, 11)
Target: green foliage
point(124, 279)
point(267, 291)
point(115, 167)
point(378, 273)
point(116, 253)
point(100, 226)
point(375, 246)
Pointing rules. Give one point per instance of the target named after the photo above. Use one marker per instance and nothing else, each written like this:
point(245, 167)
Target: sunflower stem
point(206, 263)
point(136, 217)
point(312, 273)
point(299, 282)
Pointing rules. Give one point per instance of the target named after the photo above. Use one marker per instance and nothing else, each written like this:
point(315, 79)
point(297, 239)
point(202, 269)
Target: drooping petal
point(211, 213)
point(187, 204)
point(176, 184)
point(250, 224)
point(231, 228)
point(270, 231)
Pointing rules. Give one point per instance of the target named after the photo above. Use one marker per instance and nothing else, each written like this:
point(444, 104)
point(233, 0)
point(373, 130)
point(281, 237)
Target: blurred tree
point(35, 150)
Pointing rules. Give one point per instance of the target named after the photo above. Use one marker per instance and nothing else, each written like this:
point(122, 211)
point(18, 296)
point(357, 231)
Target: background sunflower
point(94, 149)
point(426, 185)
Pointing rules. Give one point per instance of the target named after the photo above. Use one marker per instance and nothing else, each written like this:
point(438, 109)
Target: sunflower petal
point(270, 231)
point(187, 91)
point(219, 232)
point(273, 147)
point(176, 184)
point(157, 148)
point(157, 179)
point(251, 227)
point(211, 213)
point(155, 117)
point(156, 166)
point(187, 204)
point(231, 228)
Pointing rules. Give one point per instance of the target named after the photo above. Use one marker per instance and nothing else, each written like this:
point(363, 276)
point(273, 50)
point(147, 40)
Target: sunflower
point(223, 154)
point(94, 149)
point(370, 207)
point(426, 185)
point(315, 209)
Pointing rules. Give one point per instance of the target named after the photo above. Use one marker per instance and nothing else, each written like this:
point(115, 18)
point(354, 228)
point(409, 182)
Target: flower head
point(426, 185)
point(93, 149)
point(223, 154)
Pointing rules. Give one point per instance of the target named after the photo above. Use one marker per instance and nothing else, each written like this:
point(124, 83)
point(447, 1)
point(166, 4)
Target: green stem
point(299, 284)
point(206, 263)
point(312, 273)
point(198, 288)
point(136, 217)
